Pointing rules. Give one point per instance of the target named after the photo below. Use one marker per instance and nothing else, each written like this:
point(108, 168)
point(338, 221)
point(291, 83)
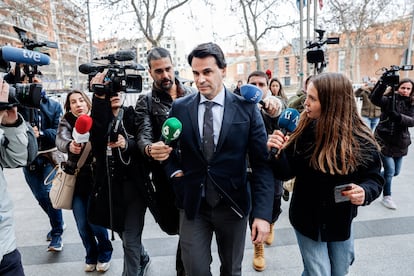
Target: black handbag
point(160, 199)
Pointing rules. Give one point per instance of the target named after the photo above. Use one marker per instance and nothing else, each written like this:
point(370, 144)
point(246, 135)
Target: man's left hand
point(260, 230)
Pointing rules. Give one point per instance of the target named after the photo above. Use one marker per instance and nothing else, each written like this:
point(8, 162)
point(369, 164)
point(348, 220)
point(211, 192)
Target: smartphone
point(338, 192)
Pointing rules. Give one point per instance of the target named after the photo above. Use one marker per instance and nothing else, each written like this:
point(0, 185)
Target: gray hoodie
point(13, 153)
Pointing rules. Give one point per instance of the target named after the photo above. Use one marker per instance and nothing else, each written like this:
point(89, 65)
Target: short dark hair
point(157, 53)
point(206, 50)
point(258, 74)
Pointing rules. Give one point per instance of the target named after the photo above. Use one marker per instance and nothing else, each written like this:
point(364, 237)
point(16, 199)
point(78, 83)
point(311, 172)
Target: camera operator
point(397, 115)
point(13, 153)
point(118, 202)
point(44, 121)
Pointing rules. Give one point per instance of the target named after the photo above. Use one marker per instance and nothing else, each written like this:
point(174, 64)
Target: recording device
point(31, 44)
point(81, 130)
point(316, 52)
point(116, 78)
point(391, 76)
point(252, 93)
point(171, 129)
point(116, 126)
point(29, 94)
point(287, 123)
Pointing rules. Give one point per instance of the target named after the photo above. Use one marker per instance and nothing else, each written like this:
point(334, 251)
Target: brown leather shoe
point(271, 235)
point(259, 262)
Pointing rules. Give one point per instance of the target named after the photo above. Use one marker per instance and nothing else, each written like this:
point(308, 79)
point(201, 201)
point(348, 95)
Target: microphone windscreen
point(88, 68)
point(251, 93)
point(289, 119)
point(24, 56)
point(171, 129)
point(83, 124)
point(124, 55)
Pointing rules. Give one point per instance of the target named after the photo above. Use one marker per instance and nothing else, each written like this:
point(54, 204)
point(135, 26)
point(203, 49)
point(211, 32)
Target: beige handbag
point(63, 184)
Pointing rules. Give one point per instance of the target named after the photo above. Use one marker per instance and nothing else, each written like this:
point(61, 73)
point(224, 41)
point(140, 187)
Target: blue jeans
point(371, 122)
point(392, 167)
point(325, 258)
point(95, 238)
point(35, 174)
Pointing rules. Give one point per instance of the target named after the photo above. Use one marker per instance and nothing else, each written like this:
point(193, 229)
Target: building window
point(266, 64)
point(287, 65)
point(298, 69)
point(389, 36)
point(240, 69)
point(341, 62)
point(276, 66)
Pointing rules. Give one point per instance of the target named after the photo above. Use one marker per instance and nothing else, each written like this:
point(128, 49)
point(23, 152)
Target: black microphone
point(88, 68)
point(288, 122)
point(124, 55)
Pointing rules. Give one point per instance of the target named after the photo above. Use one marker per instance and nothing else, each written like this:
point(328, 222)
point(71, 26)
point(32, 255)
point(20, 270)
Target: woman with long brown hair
point(95, 238)
point(336, 162)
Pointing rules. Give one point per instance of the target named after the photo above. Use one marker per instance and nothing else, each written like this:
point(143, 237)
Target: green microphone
point(171, 129)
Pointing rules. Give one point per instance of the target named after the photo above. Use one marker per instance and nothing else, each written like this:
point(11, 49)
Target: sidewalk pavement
point(384, 239)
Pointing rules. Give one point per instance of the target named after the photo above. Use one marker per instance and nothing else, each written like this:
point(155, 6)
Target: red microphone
point(81, 131)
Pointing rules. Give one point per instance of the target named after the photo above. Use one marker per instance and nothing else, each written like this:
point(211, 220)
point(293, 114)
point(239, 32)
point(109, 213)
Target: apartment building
point(61, 22)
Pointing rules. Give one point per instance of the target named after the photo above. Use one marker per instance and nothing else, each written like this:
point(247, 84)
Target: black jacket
point(312, 208)
point(153, 109)
point(393, 137)
point(127, 170)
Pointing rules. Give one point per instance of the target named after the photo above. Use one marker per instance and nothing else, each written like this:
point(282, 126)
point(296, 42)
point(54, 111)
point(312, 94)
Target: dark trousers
point(134, 251)
point(196, 236)
point(11, 264)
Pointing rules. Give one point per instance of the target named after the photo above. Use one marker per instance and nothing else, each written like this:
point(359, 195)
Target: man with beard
point(153, 108)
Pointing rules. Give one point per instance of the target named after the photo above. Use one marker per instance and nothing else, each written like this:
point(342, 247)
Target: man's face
point(162, 72)
point(259, 82)
point(208, 76)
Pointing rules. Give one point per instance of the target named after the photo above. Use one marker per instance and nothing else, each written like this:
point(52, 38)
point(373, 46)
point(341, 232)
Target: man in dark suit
point(208, 168)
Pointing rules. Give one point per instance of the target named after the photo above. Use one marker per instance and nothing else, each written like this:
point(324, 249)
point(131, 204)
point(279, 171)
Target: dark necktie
point(208, 131)
point(212, 197)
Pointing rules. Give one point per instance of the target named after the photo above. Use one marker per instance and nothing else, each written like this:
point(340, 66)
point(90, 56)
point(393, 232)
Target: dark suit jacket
point(242, 132)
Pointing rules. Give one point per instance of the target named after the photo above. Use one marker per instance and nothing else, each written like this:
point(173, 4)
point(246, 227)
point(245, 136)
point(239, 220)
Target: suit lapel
point(230, 108)
point(193, 115)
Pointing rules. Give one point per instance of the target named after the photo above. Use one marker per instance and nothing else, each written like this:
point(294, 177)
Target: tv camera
point(317, 49)
point(116, 79)
point(27, 58)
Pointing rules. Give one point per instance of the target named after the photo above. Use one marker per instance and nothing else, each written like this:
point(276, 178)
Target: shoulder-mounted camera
point(391, 76)
point(116, 79)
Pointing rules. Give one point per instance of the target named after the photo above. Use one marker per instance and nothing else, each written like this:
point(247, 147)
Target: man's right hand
point(159, 151)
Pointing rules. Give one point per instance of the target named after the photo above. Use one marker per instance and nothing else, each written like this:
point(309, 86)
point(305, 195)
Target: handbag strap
point(84, 155)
